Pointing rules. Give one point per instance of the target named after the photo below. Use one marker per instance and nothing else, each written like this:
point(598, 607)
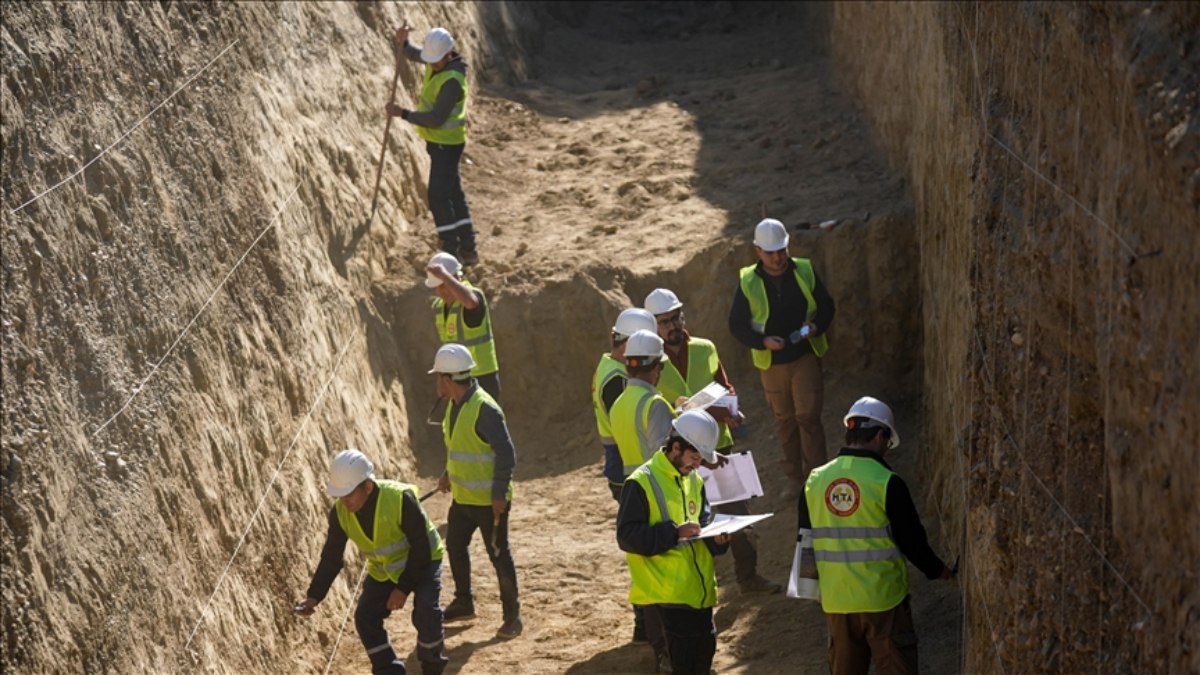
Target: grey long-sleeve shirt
point(490, 426)
point(448, 96)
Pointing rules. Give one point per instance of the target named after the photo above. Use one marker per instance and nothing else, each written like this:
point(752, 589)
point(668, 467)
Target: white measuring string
point(346, 619)
point(142, 385)
point(122, 137)
point(267, 490)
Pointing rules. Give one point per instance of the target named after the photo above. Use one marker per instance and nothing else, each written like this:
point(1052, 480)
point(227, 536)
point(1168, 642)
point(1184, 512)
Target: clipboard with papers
point(736, 481)
point(724, 523)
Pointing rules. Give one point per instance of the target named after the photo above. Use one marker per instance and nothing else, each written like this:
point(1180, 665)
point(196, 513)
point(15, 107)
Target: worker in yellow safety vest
point(404, 553)
point(441, 120)
point(862, 524)
point(607, 384)
point(692, 363)
point(461, 315)
point(479, 465)
point(641, 422)
point(781, 311)
point(663, 508)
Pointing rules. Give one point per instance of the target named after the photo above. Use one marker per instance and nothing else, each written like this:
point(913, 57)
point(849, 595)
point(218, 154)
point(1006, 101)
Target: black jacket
point(788, 311)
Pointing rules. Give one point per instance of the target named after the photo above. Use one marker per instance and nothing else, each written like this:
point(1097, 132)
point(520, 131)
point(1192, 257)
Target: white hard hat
point(452, 359)
point(348, 469)
point(661, 301)
point(700, 430)
point(632, 320)
point(643, 348)
point(770, 235)
point(878, 412)
point(438, 43)
point(445, 260)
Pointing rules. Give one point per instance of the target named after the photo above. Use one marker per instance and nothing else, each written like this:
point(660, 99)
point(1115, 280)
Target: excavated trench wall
point(234, 217)
point(1052, 152)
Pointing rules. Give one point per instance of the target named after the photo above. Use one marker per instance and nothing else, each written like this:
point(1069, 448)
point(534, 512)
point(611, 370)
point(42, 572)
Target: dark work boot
point(467, 254)
point(459, 609)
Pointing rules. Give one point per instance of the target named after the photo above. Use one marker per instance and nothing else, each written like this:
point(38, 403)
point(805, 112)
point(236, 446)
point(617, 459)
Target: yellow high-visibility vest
point(478, 339)
point(630, 419)
point(685, 574)
point(760, 309)
point(859, 565)
point(606, 371)
point(470, 461)
point(387, 552)
point(454, 130)
point(703, 364)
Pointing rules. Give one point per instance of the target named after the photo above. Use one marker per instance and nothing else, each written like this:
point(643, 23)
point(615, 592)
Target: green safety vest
point(703, 364)
point(606, 371)
point(858, 563)
point(454, 130)
point(478, 340)
point(630, 420)
point(387, 551)
point(756, 293)
point(685, 574)
point(470, 462)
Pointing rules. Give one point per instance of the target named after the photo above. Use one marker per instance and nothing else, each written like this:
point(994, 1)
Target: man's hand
point(401, 34)
point(396, 111)
point(735, 419)
point(396, 599)
point(438, 271)
point(499, 506)
point(722, 539)
point(305, 608)
point(774, 343)
point(444, 483)
point(687, 531)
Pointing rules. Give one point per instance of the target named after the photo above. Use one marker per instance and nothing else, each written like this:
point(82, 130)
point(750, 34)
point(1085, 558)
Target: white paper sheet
point(734, 482)
point(724, 523)
point(705, 397)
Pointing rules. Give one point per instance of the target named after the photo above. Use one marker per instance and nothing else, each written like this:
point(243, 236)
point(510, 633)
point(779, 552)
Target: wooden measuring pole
point(387, 129)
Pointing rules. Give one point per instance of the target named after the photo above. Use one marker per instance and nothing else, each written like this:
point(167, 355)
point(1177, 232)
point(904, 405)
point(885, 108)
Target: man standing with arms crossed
point(692, 363)
point(663, 507)
point(781, 311)
point(461, 315)
point(479, 468)
point(607, 384)
point(863, 525)
point(441, 119)
point(404, 558)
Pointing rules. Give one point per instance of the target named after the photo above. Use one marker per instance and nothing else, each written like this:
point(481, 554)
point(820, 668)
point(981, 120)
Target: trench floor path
point(603, 158)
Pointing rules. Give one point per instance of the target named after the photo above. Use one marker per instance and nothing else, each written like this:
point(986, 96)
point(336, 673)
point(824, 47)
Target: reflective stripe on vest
point(608, 369)
point(454, 130)
point(630, 419)
point(387, 552)
point(683, 575)
point(703, 365)
point(755, 290)
point(470, 461)
point(859, 566)
point(478, 339)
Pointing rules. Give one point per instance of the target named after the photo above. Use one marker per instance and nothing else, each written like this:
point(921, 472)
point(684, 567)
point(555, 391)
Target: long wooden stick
point(387, 129)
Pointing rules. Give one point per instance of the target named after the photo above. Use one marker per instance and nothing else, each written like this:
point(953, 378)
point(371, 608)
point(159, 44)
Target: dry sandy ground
point(636, 155)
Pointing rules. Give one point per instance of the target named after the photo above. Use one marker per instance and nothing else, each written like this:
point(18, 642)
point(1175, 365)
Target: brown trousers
point(887, 638)
point(796, 393)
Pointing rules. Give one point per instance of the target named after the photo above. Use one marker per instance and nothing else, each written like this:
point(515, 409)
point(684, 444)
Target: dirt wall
point(234, 217)
point(1052, 152)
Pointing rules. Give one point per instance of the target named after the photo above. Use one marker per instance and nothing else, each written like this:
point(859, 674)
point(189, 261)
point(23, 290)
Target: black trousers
point(425, 601)
point(460, 527)
point(447, 201)
point(691, 639)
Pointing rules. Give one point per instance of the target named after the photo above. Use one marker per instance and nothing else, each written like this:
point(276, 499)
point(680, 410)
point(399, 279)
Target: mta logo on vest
point(841, 497)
